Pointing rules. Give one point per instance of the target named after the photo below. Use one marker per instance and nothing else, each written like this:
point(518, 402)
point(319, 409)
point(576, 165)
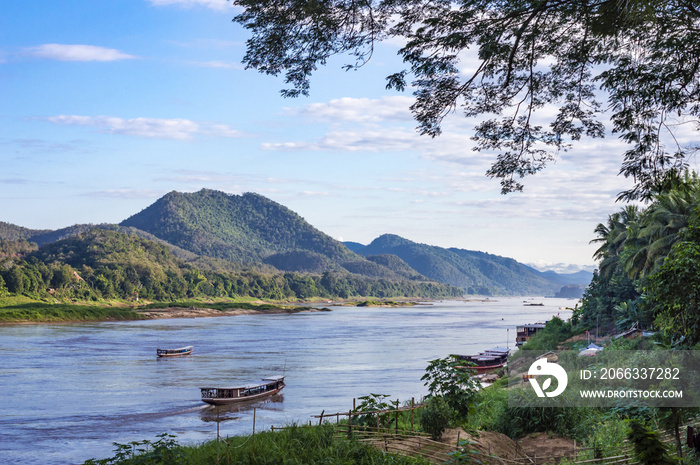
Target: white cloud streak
point(360, 110)
point(149, 128)
point(67, 52)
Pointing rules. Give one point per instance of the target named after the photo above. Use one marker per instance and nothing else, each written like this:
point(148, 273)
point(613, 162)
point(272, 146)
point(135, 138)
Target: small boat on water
point(174, 352)
point(228, 395)
point(486, 361)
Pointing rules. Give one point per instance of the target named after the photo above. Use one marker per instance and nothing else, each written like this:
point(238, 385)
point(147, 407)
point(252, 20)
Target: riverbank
point(204, 312)
point(23, 310)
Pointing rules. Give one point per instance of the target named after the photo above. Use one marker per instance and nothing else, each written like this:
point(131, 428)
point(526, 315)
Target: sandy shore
point(196, 312)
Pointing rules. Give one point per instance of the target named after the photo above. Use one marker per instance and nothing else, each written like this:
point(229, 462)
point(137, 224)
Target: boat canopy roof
point(497, 350)
point(532, 325)
point(269, 379)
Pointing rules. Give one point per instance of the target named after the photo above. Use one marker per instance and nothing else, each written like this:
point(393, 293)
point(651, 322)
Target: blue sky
point(107, 106)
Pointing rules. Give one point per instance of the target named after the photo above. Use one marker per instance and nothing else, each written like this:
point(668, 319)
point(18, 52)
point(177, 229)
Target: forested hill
point(476, 272)
point(246, 228)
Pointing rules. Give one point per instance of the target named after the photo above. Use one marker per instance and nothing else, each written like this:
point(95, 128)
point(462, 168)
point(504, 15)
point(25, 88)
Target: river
point(68, 391)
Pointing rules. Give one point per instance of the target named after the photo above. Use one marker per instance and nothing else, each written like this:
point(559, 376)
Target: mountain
point(218, 232)
point(475, 272)
point(581, 278)
point(249, 229)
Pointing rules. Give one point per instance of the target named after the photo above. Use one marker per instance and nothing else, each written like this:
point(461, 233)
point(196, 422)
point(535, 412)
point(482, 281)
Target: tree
point(613, 237)
point(448, 378)
point(533, 55)
point(674, 290)
point(659, 227)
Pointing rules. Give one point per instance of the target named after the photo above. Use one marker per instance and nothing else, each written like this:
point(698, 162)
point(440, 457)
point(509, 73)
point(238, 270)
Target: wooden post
point(349, 423)
point(412, 410)
point(457, 449)
point(320, 420)
point(397, 417)
point(254, 410)
point(217, 434)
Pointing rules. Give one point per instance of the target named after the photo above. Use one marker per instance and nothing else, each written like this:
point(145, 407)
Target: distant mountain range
point(475, 272)
point(243, 232)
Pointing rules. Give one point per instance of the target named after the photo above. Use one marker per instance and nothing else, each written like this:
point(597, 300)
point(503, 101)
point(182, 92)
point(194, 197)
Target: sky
point(107, 106)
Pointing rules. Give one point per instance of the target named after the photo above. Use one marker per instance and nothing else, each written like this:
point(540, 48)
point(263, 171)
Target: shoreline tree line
point(104, 265)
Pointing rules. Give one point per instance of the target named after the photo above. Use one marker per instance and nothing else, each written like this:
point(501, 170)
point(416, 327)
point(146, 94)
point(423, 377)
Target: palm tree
point(613, 236)
point(659, 227)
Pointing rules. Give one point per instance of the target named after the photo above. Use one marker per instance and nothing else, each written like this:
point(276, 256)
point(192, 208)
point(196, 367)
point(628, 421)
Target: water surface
point(68, 391)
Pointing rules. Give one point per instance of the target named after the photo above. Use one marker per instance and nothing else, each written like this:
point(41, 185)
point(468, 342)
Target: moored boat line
point(486, 361)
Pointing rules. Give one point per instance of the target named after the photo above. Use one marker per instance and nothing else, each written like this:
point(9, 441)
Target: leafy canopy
point(533, 56)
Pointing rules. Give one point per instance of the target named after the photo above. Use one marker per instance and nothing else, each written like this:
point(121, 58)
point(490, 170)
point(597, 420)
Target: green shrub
point(520, 417)
point(435, 417)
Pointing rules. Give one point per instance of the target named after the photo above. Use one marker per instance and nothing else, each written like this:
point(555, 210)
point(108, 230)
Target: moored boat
point(228, 395)
point(488, 360)
point(174, 352)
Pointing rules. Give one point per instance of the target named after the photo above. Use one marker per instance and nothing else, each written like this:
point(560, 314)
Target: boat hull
point(483, 369)
point(175, 355)
point(174, 352)
point(232, 395)
point(235, 400)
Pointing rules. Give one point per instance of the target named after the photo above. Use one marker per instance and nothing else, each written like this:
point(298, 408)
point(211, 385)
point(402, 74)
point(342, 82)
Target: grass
point(41, 312)
point(294, 445)
point(23, 309)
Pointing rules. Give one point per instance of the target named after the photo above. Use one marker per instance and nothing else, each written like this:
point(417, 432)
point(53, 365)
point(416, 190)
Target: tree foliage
point(533, 56)
point(675, 289)
point(649, 271)
point(102, 264)
point(447, 378)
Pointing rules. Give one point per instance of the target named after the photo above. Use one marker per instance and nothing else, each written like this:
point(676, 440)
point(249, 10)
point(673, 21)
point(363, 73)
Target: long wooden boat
point(486, 361)
point(175, 352)
point(229, 395)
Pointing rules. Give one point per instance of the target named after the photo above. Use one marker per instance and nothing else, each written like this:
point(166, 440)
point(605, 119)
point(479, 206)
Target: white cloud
point(565, 268)
point(217, 64)
point(211, 4)
point(150, 128)
point(376, 140)
point(361, 110)
point(66, 52)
